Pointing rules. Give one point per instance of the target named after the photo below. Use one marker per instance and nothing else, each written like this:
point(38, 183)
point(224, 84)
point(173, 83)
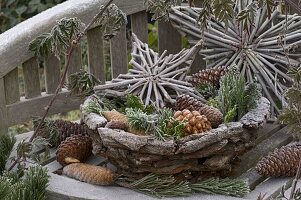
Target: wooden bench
point(17, 108)
point(270, 136)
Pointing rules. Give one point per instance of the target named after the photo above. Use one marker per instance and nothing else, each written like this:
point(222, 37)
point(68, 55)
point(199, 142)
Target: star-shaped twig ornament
point(263, 54)
point(156, 79)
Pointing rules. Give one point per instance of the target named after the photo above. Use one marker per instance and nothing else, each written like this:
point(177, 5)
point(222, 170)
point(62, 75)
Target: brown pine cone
point(76, 148)
point(206, 76)
point(195, 122)
point(64, 128)
point(68, 129)
point(190, 103)
point(282, 162)
point(213, 114)
point(90, 174)
point(187, 102)
point(115, 115)
point(117, 125)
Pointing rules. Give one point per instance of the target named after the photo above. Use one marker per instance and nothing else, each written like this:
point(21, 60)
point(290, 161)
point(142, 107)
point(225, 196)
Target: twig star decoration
point(264, 53)
point(155, 79)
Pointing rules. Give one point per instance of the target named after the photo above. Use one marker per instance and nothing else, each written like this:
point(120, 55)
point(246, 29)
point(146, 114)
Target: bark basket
point(213, 152)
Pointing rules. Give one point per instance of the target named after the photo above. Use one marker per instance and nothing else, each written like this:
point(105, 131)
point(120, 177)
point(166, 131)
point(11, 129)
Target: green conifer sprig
point(31, 186)
point(133, 101)
point(167, 186)
point(161, 186)
point(139, 120)
point(167, 126)
point(237, 188)
point(234, 98)
point(7, 143)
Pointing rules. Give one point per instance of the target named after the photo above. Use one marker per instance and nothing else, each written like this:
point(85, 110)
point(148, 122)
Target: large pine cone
point(64, 128)
point(89, 173)
point(196, 123)
point(281, 162)
point(206, 76)
point(116, 116)
point(190, 103)
point(213, 114)
point(185, 101)
point(76, 148)
point(68, 129)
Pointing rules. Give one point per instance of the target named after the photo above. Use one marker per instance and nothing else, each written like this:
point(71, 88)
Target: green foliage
point(208, 90)
point(168, 127)
point(49, 131)
point(161, 186)
point(235, 98)
point(139, 120)
point(167, 186)
point(291, 114)
point(159, 8)
point(82, 83)
point(221, 10)
point(6, 145)
point(247, 15)
point(133, 101)
point(93, 107)
point(15, 11)
point(58, 40)
point(111, 21)
point(153, 36)
point(236, 188)
point(31, 186)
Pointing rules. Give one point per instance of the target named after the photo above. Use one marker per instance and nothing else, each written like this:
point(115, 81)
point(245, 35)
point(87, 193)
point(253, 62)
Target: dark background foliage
point(14, 11)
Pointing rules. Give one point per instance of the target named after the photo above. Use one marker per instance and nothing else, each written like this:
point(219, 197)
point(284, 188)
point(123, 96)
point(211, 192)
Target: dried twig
point(63, 78)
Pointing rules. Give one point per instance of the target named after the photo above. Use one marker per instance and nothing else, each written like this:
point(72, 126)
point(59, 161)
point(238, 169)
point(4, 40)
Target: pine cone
point(206, 76)
point(187, 102)
point(115, 115)
point(281, 162)
point(89, 173)
point(117, 125)
point(68, 129)
point(213, 114)
point(76, 148)
point(190, 103)
point(64, 129)
point(196, 123)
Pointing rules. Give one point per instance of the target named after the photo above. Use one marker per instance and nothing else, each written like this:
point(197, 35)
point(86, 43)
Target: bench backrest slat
point(96, 53)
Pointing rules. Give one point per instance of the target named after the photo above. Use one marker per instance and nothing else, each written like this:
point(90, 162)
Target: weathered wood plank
point(118, 48)
point(35, 107)
point(3, 117)
point(12, 90)
point(31, 78)
point(76, 61)
point(169, 38)
point(270, 188)
point(16, 40)
point(52, 74)
point(96, 54)
point(278, 139)
point(139, 25)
